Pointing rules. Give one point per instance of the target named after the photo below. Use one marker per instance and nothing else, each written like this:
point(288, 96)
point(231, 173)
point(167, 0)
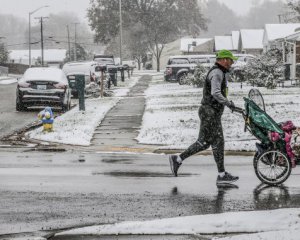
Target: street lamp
point(120, 15)
point(29, 31)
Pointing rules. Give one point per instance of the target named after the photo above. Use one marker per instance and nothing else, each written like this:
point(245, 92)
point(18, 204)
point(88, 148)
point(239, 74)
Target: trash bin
point(112, 71)
point(80, 85)
point(72, 85)
point(77, 84)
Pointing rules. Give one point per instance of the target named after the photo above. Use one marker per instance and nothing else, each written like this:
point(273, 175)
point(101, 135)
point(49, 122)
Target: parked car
point(104, 59)
point(83, 67)
point(107, 61)
point(129, 64)
point(43, 87)
point(178, 67)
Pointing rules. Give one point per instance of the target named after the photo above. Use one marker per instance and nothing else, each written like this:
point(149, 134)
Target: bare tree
point(162, 21)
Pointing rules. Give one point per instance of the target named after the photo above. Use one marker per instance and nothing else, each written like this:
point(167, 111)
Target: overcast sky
point(22, 8)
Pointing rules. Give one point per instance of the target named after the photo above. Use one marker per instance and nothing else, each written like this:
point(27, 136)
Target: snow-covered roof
point(252, 38)
point(293, 37)
point(276, 31)
point(184, 43)
point(50, 55)
point(235, 39)
point(223, 42)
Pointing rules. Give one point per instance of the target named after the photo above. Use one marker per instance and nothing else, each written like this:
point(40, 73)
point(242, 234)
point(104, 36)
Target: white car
point(81, 67)
point(41, 86)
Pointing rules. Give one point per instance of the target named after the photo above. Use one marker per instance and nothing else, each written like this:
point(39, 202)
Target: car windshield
point(179, 61)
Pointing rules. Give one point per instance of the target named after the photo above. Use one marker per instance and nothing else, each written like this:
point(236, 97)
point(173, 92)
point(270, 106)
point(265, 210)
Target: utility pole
point(69, 46)
point(42, 39)
point(29, 32)
point(121, 35)
point(75, 45)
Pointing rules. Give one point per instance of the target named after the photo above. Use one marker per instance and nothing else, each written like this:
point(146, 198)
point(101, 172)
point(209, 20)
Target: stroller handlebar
point(239, 110)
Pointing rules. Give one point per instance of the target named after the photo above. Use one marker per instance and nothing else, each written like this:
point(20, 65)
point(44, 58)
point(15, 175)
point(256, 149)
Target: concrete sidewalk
point(121, 125)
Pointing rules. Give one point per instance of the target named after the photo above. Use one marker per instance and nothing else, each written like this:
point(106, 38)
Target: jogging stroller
point(274, 158)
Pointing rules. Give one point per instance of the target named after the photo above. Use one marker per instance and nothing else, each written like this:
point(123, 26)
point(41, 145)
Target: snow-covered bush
point(264, 70)
point(197, 79)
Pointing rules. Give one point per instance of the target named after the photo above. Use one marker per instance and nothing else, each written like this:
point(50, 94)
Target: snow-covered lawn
point(268, 225)
point(77, 127)
point(171, 116)
point(6, 80)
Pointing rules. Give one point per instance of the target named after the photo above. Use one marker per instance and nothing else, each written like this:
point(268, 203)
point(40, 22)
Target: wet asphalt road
point(12, 120)
point(44, 191)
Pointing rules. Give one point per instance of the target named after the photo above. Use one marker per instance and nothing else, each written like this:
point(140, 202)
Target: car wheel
point(181, 79)
point(19, 106)
point(64, 108)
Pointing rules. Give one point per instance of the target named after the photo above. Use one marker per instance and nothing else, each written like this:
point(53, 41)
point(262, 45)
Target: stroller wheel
point(272, 167)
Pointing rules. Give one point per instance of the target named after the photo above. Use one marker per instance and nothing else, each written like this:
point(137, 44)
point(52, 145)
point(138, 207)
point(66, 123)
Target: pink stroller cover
point(288, 128)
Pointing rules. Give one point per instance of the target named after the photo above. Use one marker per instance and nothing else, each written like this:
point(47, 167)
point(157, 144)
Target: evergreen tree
point(264, 70)
point(3, 53)
point(198, 78)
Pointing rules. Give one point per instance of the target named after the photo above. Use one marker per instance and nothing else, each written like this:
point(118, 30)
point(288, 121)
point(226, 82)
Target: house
point(196, 45)
point(273, 32)
point(184, 46)
point(251, 41)
point(224, 42)
point(235, 40)
point(279, 35)
point(52, 57)
point(291, 53)
point(170, 49)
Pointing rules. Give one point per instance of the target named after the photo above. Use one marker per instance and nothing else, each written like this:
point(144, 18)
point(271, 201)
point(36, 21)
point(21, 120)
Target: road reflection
point(271, 197)
point(229, 198)
point(222, 191)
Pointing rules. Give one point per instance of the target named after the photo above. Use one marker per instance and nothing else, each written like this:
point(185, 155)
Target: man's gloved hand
point(231, 106)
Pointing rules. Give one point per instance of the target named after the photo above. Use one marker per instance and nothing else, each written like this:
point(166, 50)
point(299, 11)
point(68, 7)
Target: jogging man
point(210, 112)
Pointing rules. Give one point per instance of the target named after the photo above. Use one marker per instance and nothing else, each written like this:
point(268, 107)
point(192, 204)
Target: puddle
point(118, 160)
point(141, 174)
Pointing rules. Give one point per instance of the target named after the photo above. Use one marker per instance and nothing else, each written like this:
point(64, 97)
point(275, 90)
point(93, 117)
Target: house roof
point(184, 43)
point(276, 31)
point(223, 42)
point(50, 55)
point(293, 37)
point(235, 39)
point(252, 38)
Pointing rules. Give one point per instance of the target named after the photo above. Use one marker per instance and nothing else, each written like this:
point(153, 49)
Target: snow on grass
point(77, 127)
point(8, 81)
point(271, 222)
point(171, 115)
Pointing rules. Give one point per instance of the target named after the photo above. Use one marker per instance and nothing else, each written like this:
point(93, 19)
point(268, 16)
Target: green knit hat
point(226, 54)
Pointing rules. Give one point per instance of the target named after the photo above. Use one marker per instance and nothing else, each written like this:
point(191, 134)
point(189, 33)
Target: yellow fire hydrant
point(47, 119)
